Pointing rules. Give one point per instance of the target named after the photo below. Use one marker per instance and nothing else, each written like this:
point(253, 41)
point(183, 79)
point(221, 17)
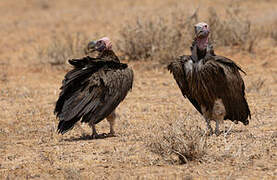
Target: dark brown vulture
point(93, 89)
point(212, 83)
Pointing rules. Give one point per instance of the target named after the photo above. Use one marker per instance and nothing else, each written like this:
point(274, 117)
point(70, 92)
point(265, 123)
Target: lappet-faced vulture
point(93, 89)
point(212, 83)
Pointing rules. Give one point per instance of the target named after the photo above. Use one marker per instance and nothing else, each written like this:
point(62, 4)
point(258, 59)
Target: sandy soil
point(30, 148)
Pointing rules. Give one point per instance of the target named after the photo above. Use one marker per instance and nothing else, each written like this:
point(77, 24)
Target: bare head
point(202, 32)
point(99, 45)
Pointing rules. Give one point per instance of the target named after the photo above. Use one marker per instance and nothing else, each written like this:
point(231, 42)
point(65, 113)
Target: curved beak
point(91, 47)
point(203, 32)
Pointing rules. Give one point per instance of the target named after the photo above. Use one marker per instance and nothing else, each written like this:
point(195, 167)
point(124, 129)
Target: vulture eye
point(205, 26)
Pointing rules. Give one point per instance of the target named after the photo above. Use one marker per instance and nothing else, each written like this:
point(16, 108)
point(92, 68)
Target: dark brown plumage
point(92, 90)
point(213, 85)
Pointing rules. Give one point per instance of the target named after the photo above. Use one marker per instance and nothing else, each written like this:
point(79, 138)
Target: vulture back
point(91, 91)
point(211, 78)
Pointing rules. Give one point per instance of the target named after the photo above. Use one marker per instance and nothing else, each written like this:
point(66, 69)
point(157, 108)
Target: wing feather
point(180, 69)
point(233, 97)
point(209, 79)
point(218, 78)
point(91, 92)
point(118, 84)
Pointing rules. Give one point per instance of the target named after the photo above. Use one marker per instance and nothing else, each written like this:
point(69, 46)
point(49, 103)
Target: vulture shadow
point(86, 137)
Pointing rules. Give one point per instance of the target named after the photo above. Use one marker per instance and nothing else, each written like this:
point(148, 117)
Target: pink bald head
point(107, 42)
point(202, 32)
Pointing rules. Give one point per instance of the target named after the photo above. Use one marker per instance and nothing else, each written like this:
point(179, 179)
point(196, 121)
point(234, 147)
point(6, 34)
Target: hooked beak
point(91, 47)
point(203, 33)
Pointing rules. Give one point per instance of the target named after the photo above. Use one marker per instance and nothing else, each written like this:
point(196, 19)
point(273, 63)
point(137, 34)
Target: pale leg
point(217, 131)
point(111, 120)
point(218, 114)
point(94, 132)
point(207, 115)
point(209, 128)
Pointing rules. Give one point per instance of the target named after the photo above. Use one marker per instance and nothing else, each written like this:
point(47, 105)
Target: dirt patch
point(30, 147)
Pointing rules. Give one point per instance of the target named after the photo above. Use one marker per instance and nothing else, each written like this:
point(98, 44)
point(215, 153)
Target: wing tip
point(246, 122)
point(64, 126)
point(242, 70)
point(170, 67)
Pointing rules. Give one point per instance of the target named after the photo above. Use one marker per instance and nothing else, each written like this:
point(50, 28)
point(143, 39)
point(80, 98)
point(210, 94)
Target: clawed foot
point(98, 136)
point(110, 135)
point(217, 132)
point(209, 133)
point(102, 136)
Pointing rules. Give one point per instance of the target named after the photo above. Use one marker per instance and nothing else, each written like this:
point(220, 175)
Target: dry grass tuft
point(183, 139)
point(30, 147)
point(233, 30)
point(43, 4)
point(273, 32)
point(157, 38)
point(274, 36)
point(62, 47)
point(164, 39)
point(4, 77)
point(71, 173)
point(256, 85)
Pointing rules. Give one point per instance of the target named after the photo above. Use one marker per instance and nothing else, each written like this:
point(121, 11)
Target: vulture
point(212, 83)
point(92, 90)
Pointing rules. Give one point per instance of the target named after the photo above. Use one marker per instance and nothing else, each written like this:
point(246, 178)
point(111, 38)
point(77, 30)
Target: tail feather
point(65, 126)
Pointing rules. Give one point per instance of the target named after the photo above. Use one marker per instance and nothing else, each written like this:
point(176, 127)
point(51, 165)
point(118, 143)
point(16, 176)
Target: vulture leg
point(209, 128)
point(217, 131)
point(94, 133)
point(218, 114)
point(207, 115)
point(111, 120)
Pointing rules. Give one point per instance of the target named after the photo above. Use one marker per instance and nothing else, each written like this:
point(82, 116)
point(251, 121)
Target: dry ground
point(31, 148)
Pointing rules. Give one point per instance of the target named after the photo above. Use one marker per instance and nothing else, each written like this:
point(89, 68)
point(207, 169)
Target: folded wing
point(91, 91)
point(180, 68)
point(214, 77)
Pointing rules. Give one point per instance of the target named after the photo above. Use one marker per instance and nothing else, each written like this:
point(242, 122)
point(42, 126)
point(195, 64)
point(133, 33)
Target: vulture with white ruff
point(93, 89)
point(212, 83)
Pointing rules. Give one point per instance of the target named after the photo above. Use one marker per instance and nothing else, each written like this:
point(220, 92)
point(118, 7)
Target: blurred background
point(52, 31)
point(39, 36)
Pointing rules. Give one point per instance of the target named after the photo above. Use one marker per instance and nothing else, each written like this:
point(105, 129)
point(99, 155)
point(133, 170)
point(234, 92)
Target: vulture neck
point(199, 48)
point(108, 55)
